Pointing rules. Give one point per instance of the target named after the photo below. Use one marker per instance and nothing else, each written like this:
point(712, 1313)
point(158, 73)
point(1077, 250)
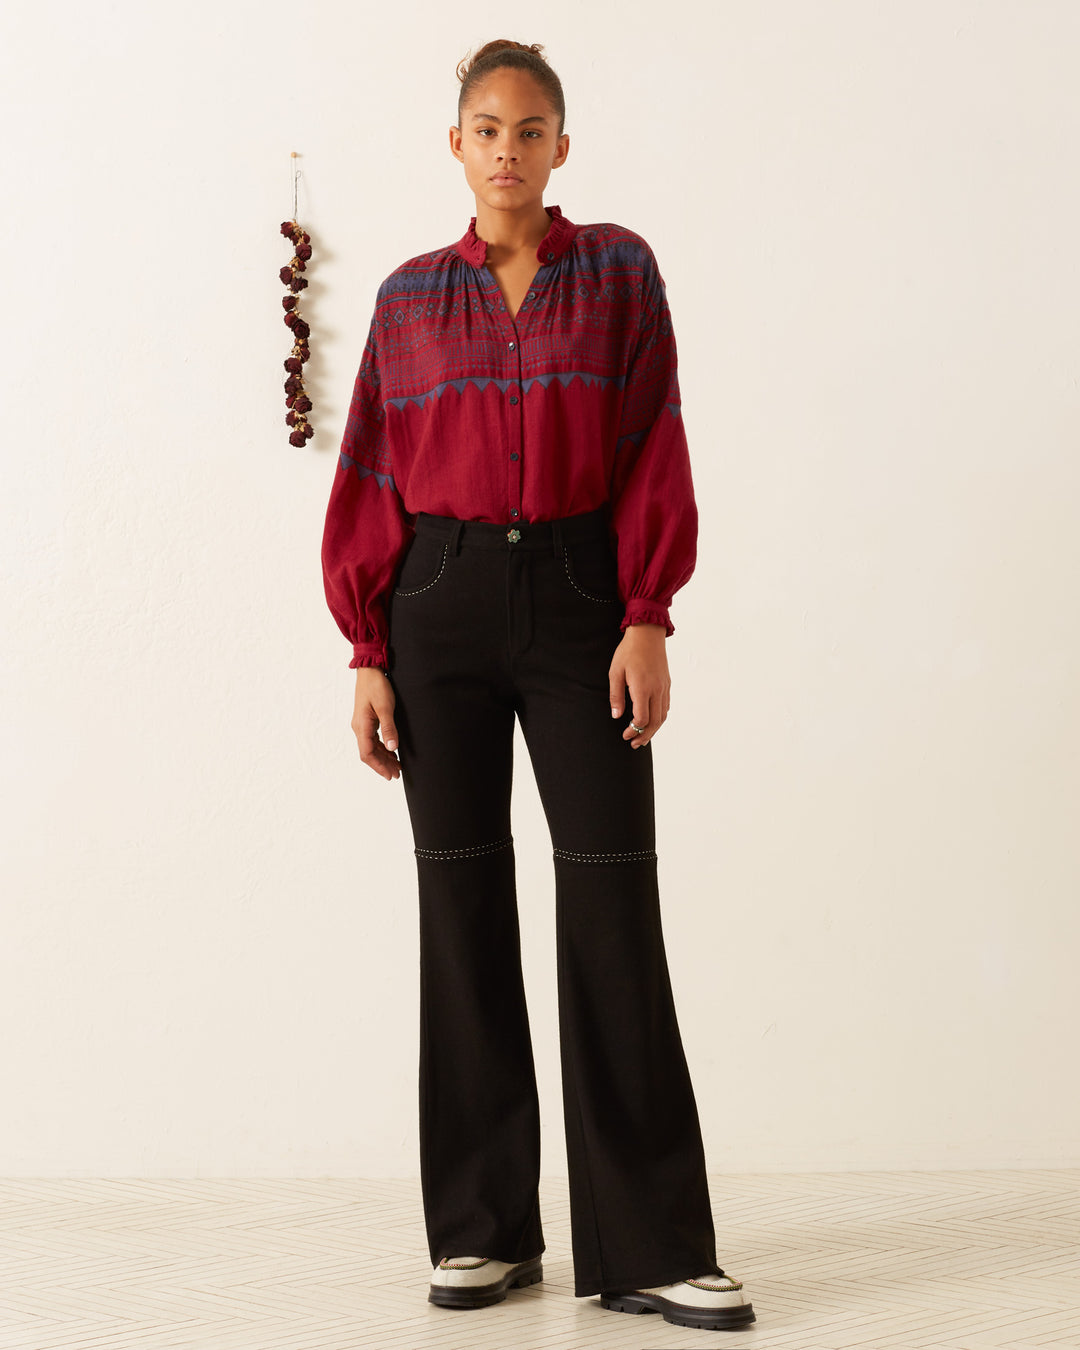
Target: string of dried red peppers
point(296, 400)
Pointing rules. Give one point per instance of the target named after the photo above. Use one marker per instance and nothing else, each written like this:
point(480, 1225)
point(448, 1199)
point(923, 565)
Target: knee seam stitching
point(580, 857)
point(463, 852)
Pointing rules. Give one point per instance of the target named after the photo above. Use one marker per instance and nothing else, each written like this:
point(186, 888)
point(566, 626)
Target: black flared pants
point(489, 622)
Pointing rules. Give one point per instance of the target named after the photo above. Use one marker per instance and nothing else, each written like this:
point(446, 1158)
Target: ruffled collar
point(557, 240)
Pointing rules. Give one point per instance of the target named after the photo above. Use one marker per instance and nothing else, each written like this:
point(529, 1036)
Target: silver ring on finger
point(634, 727)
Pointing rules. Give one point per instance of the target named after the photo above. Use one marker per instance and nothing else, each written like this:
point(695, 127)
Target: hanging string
point(296, 399)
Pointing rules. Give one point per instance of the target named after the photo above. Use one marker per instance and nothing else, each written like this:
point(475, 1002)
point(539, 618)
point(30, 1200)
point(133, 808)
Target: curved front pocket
point(591, 569)
point(423, 565)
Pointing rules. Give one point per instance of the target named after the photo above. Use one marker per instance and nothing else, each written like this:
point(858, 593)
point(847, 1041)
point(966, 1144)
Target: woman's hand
point(374, 708)
point(640, 662)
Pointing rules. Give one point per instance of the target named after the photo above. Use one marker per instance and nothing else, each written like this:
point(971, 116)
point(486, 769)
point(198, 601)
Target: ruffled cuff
point(368, 654)
point(646, 611)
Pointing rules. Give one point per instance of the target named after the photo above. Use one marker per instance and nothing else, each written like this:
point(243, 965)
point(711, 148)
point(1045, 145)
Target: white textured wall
point(868, 788)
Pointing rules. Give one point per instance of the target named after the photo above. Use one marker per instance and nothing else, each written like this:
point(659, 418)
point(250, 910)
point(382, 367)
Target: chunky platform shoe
point(709, 1302)
point(477, 1281)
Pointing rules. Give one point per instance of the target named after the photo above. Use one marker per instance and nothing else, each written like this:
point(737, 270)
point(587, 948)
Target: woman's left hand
point(640, 663)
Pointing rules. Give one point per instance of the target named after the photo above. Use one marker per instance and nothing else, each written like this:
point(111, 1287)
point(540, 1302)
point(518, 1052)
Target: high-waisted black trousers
point(487, 622)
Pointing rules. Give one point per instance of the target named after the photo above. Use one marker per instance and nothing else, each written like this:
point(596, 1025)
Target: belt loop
point(556, 537)
point(455, 536)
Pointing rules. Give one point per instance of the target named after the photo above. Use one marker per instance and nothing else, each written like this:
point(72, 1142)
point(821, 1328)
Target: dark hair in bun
point(502, 52)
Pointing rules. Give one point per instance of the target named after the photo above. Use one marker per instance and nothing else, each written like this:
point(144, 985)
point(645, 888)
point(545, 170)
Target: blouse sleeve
point(654, 513)
point(367, 528)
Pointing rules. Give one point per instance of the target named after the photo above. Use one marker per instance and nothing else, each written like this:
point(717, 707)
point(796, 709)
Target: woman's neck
point(508, 233)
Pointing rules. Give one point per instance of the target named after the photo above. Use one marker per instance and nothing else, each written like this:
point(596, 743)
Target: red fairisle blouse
point(459, 410)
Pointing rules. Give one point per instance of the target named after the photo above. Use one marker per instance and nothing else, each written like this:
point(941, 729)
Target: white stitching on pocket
point(597, 599)
point(435, 578)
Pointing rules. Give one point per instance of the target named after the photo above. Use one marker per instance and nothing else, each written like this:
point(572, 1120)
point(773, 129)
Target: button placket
point(515, 390)
point(515, 413)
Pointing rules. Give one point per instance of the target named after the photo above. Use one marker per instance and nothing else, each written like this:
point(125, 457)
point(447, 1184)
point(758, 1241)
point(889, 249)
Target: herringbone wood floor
point(948, 1260)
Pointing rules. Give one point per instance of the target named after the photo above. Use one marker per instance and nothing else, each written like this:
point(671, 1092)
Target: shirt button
point(513, 345)
point(550, 256)
point(513, 398)
point(513, 511)
point(531, 295)
point(513, 454)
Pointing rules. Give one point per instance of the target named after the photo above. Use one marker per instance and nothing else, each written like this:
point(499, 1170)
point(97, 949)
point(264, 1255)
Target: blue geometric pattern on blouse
point(482, 381)
point(636, 436)
point(382, 479)
point(565, 376)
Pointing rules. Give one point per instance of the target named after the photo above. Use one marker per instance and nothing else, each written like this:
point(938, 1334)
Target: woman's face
point(509, 127)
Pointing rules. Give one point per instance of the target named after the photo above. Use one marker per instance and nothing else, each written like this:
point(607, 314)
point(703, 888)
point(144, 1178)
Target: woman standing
point(511, 514)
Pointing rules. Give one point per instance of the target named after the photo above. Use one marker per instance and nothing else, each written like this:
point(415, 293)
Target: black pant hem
point(589, 1287)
